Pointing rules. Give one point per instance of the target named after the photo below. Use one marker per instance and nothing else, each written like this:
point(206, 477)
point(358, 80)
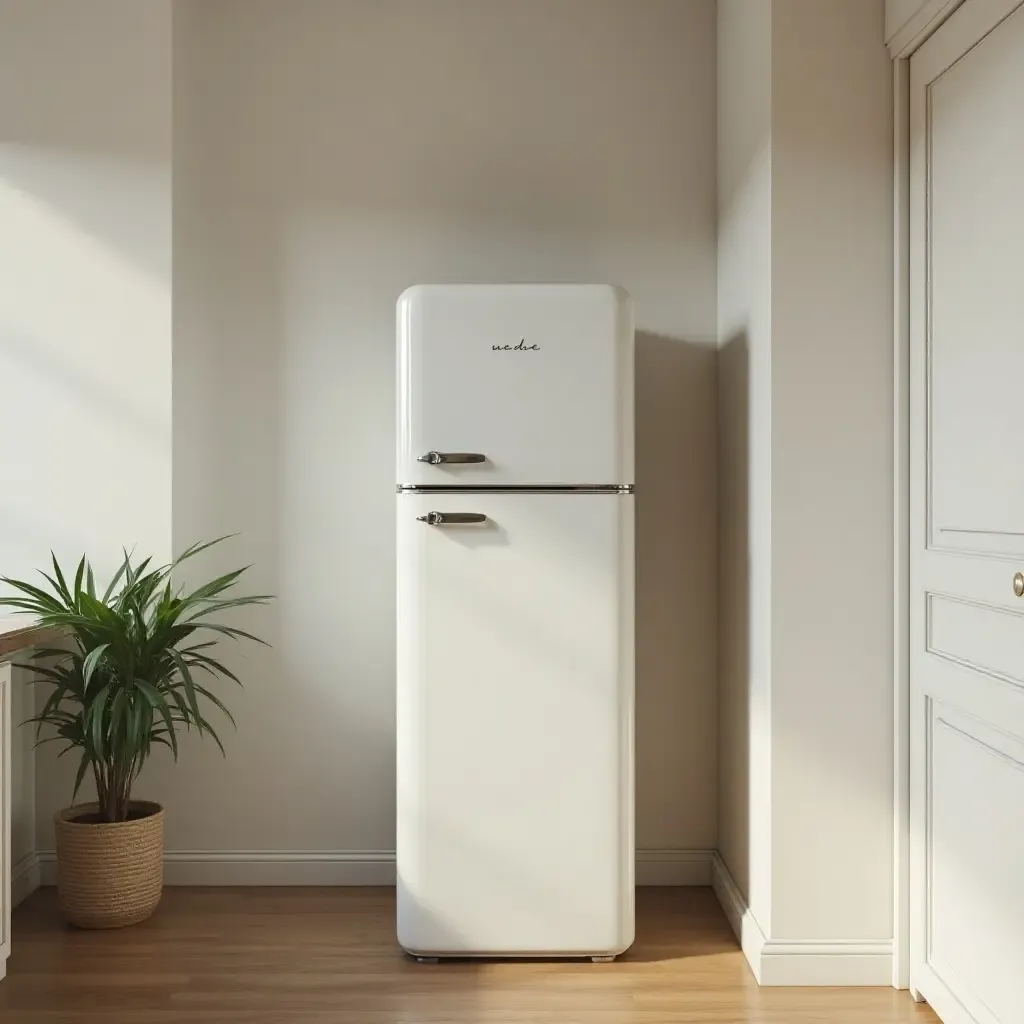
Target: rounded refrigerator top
point(515, 385)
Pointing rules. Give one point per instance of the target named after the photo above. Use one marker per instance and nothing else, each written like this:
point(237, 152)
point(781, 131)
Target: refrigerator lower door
point(515, 724)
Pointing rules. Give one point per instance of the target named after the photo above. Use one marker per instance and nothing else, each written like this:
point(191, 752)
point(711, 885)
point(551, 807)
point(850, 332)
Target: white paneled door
point(967, 515)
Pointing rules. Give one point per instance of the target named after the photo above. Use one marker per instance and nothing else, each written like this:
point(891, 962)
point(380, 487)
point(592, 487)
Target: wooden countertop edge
point(26, 636)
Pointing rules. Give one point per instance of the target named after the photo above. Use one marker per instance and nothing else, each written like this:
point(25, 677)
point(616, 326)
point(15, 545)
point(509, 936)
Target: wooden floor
point(299, 956)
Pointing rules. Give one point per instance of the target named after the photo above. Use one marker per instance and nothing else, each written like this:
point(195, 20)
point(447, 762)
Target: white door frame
point(929, 16)
point(901, 521)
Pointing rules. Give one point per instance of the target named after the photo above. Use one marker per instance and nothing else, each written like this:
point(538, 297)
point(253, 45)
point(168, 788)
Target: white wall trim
point(264, 867)
point(830, 964)
point(674, 867)
point(738, 914)
point(779, 962)
point(919, 26)
point(25, 878)
point(838, 962)
point(358, 867)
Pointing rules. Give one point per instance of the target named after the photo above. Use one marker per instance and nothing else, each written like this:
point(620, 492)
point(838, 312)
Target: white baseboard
point(25, 878)
point(833, 964)
point(737, 913)
point(673, 867)
point(804, 962)
point(774, 962)
point(359, 867)
point(265, 867)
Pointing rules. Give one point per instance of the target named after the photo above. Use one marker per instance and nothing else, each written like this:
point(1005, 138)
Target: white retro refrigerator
point(515, 621)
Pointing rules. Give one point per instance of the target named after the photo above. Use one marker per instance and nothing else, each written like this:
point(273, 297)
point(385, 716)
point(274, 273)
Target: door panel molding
point(978, 638)
point(965, 754)
point(954, 530)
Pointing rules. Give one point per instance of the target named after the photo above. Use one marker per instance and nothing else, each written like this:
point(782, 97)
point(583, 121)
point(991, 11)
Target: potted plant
point(132, 675)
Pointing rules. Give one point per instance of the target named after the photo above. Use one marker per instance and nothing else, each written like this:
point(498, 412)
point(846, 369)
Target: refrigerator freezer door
point(537, 379)
point(515, 725)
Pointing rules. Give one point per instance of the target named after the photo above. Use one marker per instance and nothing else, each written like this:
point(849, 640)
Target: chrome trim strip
point(514, 489)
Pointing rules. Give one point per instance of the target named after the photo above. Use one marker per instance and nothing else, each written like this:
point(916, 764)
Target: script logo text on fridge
point(520, 347)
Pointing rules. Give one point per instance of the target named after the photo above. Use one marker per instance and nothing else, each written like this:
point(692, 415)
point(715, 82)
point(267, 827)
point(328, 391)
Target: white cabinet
point(19, 862)
point(6, 759)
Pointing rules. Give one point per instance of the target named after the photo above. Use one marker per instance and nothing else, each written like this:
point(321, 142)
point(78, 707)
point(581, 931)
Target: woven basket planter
point(109, 874)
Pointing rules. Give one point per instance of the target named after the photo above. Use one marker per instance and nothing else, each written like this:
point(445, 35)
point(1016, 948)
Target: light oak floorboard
point(328, 956)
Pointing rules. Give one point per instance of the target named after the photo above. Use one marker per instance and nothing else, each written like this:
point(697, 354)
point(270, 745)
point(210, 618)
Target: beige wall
point(327, 155)
point(832, 510)
point(744, 438)
point(85, 308)
point(85, 302)
point(806, 464)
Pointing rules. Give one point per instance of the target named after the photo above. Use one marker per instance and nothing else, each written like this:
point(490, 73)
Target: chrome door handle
point(437, 458)
point(452, 518)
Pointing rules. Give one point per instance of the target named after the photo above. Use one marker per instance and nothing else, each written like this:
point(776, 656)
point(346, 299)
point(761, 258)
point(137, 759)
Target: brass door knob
point(1018, 584)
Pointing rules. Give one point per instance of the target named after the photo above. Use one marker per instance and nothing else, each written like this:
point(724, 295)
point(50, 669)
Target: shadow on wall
point(676, 600)
point(676, 587)
point(734, 605)
point(75, 139)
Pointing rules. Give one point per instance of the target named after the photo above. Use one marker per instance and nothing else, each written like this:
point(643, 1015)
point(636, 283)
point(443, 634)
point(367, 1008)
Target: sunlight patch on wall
point(85, 349)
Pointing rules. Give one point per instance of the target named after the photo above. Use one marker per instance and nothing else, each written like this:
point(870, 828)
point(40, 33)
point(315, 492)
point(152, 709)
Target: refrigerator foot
point(602, 959)
point(426, 959)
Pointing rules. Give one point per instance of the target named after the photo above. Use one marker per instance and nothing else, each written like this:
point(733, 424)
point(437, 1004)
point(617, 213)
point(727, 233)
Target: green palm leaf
point(126, 682)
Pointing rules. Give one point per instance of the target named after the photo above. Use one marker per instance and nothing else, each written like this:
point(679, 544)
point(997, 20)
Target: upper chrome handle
point(436, 458)
point(452, 518)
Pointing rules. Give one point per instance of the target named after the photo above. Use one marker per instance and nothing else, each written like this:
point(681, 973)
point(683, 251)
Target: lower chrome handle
point(452, 518)
point(450, 458)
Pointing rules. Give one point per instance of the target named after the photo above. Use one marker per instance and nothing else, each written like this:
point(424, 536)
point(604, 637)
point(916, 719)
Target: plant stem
point(100, 788)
